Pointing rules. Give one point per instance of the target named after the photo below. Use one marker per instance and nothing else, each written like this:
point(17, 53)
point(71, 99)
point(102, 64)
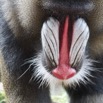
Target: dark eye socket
point(68, 6)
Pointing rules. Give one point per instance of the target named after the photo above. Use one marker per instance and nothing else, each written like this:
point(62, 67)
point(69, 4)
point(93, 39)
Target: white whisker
point(25, 71)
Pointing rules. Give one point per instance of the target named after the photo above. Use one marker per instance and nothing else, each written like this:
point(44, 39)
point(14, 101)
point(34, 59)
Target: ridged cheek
point(79, 41)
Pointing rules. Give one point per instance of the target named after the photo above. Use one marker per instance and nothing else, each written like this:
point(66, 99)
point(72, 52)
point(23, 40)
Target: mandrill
point(45, 43)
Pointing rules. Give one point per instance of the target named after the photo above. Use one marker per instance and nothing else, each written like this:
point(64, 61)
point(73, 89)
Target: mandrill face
point(64, 47)
point(64, 38)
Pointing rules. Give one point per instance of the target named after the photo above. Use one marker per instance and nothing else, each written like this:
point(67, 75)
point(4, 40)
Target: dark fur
point(14, 52)
point(14, 55)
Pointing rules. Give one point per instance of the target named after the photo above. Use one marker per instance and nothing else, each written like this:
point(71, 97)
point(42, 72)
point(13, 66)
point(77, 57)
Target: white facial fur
point(79, 41)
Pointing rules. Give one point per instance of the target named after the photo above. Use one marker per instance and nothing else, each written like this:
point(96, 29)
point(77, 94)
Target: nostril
point(68, 7)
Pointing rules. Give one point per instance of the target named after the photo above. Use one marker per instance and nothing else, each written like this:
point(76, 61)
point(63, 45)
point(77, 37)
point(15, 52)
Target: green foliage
point(57, 99)
point(2, 97)
point(60, 99)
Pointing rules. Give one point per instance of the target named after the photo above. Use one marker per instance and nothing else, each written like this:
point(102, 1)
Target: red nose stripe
point(64, 70)
point(64, 47)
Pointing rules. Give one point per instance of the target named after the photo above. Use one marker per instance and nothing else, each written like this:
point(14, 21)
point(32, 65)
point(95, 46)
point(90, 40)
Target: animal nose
point(68, 6)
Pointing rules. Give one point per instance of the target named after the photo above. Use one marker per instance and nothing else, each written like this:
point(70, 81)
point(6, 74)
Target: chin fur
point(44, 77)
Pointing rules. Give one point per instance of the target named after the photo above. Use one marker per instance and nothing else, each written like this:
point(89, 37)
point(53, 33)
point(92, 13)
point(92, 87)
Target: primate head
point(64, 28)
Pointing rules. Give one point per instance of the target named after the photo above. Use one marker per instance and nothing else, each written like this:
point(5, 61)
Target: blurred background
point(2, 94)
point(58, 95)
